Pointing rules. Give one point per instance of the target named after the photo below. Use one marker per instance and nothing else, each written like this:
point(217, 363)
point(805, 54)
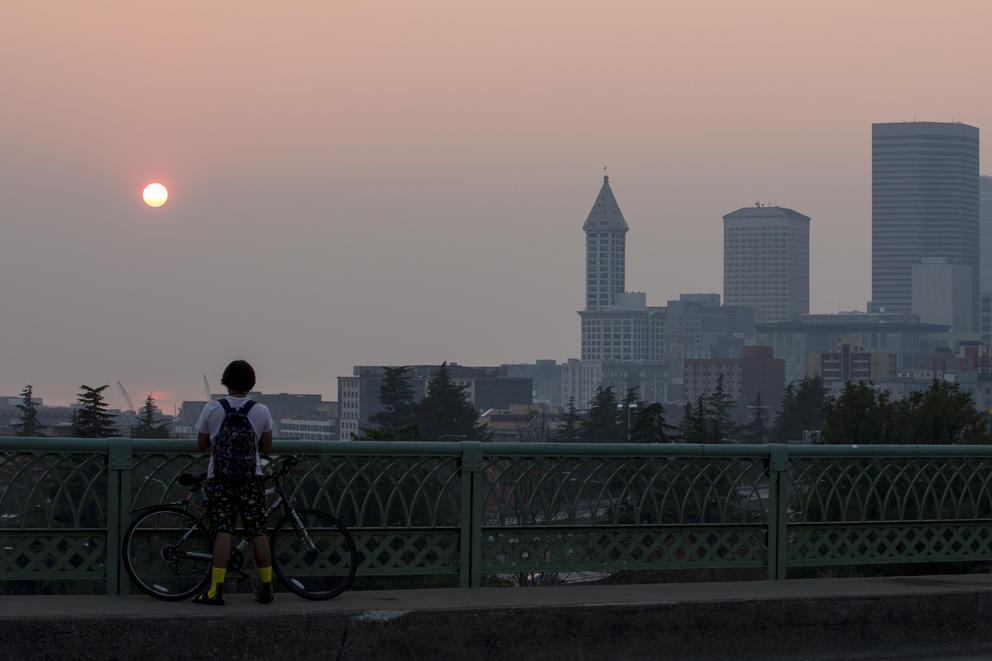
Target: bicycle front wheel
point(167, 553)
point(320, 568)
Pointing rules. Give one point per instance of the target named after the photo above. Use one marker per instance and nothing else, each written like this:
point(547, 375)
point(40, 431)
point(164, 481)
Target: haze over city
point(369, 184)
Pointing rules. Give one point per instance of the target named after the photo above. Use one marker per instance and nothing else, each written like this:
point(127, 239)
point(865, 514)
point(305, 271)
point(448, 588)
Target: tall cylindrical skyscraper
point(766, 262)
point(924, 204)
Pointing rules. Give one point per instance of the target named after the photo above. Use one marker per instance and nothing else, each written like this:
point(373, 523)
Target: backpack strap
point(227, 406)
point(247, 407)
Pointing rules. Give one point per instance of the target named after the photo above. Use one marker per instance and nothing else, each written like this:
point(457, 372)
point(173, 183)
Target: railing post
point(471, 523)
point(778, 510)
point(119, 459)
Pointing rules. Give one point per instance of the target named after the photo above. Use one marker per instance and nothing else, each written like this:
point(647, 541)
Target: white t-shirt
point(213, 415)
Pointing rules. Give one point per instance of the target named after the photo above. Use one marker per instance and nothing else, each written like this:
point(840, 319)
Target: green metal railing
point(513, 511)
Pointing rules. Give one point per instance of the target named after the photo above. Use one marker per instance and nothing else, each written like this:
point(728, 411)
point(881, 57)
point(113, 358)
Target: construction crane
point(127, 398)
point(206, 388)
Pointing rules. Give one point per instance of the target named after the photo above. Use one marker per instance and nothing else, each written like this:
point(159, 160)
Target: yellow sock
point(265, 573)
point(216, 578)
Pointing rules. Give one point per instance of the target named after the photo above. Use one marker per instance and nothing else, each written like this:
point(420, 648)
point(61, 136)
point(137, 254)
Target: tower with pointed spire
point(617, 325)
point(606, 243)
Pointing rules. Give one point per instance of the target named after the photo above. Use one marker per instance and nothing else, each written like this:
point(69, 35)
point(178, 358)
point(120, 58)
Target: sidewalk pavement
point(897, 617)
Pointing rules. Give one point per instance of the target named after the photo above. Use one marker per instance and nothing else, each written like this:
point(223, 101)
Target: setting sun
point(155, 194)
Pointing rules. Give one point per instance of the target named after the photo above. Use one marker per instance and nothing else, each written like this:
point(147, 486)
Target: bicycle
point(167, 550)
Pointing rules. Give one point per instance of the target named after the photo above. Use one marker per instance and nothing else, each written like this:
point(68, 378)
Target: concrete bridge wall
point(919, 617)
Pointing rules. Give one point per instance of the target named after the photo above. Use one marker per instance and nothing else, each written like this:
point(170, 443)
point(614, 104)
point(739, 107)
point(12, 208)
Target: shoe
point(264, 594)
point(208, 601)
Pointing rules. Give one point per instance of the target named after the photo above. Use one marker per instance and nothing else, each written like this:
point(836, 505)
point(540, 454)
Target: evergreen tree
point(150, 424)
point(802, 409)
point(756, 431)
point(569, 431)
point(28, 425)
point(692, 429)
point(446, 411)
point(91, 420)
point(396, 399)
point(810, 400)
point(719, 423)
point(786, 422)
point(650, 425)
point(600, 425)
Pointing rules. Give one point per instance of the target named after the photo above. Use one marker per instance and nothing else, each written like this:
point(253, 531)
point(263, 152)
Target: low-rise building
point(309, 430)
point(901, 334)
point(850, 363)
point(756, 373)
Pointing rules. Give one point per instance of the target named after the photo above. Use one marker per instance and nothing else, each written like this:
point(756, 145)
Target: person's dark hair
point(239, 376)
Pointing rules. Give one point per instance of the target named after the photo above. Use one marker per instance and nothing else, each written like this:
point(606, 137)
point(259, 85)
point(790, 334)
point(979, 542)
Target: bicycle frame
point(289, 534)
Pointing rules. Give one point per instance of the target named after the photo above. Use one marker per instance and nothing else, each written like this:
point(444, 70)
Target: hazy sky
point(406, 182)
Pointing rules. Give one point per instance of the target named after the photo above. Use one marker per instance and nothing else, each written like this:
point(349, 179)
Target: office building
point(581, 378)
point(757, 373)
point(697, 326)
point(942, 293)
point(925, 197)
point(616, 325)
point(766, 262)
point(850, 363)
point(486, 387)
point(890, 333)
point(985, 232)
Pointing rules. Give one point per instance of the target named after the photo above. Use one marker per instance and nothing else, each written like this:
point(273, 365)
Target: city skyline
point(410, 186)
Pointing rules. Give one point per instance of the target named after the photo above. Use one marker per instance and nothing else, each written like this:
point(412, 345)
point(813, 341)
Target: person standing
point(237, 430)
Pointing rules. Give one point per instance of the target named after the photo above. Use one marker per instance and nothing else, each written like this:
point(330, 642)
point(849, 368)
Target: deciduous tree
point(861, 415)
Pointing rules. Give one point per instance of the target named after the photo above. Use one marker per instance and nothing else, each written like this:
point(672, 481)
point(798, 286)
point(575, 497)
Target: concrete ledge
point(935, 616)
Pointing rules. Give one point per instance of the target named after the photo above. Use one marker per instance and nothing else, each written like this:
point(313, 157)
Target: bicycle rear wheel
point(167, 553)
point(321, 572)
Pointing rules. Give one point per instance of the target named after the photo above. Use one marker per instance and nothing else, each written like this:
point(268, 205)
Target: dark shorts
point(227, 500)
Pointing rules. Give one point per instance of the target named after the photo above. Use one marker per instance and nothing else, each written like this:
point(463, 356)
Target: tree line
point(92, 418)
point(445, 412)
point(861, 414)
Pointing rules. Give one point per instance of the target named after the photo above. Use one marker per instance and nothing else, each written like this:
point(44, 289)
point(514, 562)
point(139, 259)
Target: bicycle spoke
point(167, 554)
point(318, 571)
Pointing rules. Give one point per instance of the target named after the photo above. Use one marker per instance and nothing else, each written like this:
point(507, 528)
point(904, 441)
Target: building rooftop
point(764, 212)
point(605, 213)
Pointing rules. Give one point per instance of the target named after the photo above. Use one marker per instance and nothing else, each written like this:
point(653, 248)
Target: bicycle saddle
point(190, 480)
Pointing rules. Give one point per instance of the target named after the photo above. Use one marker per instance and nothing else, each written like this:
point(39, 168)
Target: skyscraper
point(766, 262)
point(616, 325)
point(924, 204)
point(985, 230)
point(606, 241)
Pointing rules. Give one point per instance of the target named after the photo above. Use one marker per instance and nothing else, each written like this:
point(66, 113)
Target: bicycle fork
point(303, 534)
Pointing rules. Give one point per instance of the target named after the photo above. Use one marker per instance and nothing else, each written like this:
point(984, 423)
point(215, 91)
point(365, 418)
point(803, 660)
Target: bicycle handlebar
point(287, 463)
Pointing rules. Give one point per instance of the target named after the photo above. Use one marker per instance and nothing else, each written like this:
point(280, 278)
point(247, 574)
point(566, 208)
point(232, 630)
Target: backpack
point(235, 446)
